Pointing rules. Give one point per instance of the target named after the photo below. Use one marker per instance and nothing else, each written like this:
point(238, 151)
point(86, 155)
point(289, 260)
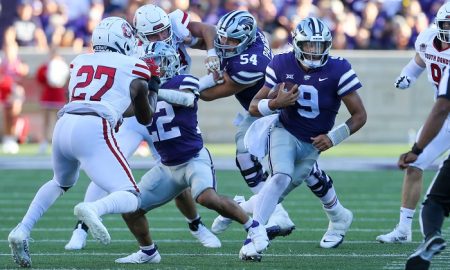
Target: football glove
point(152, 66)
point(403, 82)
point(212, 63)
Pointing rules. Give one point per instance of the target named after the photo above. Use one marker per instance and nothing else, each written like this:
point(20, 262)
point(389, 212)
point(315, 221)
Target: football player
point(104, 87)
point(185, 162)
point(433, 55)
point(306, 115)
point(244, 54)
point(437, 203)
point(152, 23)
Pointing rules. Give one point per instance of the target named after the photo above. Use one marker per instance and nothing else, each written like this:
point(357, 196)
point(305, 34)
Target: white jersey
point(100, 82)
point(179, 21)
point(434, 58)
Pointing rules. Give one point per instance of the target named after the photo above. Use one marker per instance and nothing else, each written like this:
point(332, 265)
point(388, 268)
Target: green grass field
point(372, 196)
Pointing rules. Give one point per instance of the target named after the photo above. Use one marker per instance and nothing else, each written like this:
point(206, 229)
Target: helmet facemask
point(443, 29)
point(166, 58)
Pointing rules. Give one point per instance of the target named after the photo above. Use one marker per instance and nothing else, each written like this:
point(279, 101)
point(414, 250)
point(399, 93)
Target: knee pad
point(319, 182)
point(251, 169)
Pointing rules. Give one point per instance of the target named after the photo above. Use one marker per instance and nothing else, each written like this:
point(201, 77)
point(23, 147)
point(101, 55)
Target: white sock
point(249, 205)
point(406, 218)
point(117, 202)
point(248, 224)
point(94, 192)
point(190, 220)
point(329, 200)
point(268, 197)
point(44, 198)
point(152, 246)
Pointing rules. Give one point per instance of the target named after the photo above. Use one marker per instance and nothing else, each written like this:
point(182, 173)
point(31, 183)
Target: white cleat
point(18, 242)
point(258, 236)
point(396, 236)
point(340, 222)
point(279, 223)
point(86, 214)
point(140, 257)
point(248, 252)
point(205, 237)
point(78, 239)
point(221, 223)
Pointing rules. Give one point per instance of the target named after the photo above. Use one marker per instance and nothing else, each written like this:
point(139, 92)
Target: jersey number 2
point(91, 74)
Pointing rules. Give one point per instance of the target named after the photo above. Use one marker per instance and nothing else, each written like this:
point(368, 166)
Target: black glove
point(153, 84)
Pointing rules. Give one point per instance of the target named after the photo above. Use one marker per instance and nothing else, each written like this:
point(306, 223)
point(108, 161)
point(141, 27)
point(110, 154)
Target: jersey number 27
point(92, 74)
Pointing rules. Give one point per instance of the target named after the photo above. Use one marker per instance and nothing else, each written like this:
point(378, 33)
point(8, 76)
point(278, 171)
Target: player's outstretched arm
point(205, 33)
point(228, 88)
point(357, 111)
point(410, 72)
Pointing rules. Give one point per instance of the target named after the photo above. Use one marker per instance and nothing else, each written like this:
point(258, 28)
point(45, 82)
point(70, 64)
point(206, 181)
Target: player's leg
point(339, 217)
point(108, 169)
point(186, 205)
point(412, 187)
point(66, 172)
point(80, 232)
point(435, 208)
point(157, 188)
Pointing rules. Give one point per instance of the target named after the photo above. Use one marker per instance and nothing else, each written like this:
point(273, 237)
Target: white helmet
point(312, 42)
point(114, 34)
point(165, 56)
point(442, 16)
point(149, 20)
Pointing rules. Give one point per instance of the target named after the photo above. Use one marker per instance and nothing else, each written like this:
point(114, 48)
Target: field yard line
point(353, 255)
point(166, 229)
point(196, 241)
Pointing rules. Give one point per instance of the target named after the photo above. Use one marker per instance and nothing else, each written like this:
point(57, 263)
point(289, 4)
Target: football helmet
point(165, 56)
point(116, 35)
point(237, 25)
point(312, 42)
point(443, 16)
point(152, 20)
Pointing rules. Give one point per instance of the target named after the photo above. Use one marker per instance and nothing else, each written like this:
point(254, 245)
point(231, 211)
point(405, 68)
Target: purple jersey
point(248, 68)
point(174, 129)
point(321, 90)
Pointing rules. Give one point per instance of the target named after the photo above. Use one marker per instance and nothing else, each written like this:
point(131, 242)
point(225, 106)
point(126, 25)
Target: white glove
point(403, 82)
point(212, 63)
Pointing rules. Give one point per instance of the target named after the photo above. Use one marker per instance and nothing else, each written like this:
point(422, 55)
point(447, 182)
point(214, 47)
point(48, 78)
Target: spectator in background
point(279, 39)
point(401, 33)
point(53, 19)
point(26, 30)
point(53, 76)
point(12, 94)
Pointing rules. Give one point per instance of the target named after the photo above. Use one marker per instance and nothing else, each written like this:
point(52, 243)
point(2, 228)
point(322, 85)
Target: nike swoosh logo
point(322, 79)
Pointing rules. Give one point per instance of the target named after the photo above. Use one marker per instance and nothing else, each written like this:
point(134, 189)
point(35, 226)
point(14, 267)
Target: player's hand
point(403, 82)
point(322, 142)
point(405, 159)
point(218, 76)
point(285, 97)
point(152, 65)
point(212, 63)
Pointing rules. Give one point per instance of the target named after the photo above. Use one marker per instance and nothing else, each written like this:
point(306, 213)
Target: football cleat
point(78, 239)
point(420, 259)
point(205, 237)
point(18, 242)
point(221, 223)
point(340, 221)
point(141, 257)
point(279, 223)
point(86, 214)
point(396, 236)
point(257, 234)
point(248, 252)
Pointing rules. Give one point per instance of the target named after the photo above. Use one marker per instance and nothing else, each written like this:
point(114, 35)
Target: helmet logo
point(127, 31)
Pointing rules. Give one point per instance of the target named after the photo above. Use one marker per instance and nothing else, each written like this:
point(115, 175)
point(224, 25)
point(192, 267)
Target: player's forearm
point(356, 121)
point(433, 124)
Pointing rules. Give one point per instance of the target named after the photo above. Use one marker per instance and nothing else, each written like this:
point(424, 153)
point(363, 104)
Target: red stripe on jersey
point(142, 66)
point(141, 74)
point(185, 16)
point(124, 166)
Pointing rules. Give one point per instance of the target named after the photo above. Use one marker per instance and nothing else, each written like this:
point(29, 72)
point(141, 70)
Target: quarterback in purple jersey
point(185, 162)
point(307, 111)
